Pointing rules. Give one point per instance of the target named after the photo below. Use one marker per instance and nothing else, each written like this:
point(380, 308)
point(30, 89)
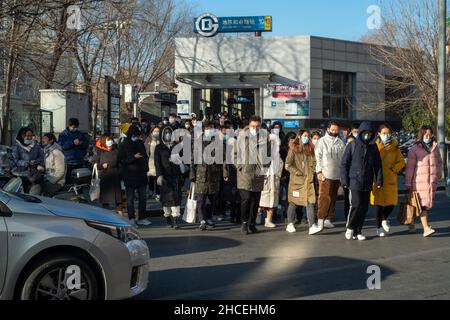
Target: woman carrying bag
point(301, 163)
point(423, 172)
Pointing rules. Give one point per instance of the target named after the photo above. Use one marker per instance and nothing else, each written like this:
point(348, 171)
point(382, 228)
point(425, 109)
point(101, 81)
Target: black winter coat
point(110, 191)
point(361, 162)
point(133, 171)
point(171, 173)
point(207, 177)
point(228, 189)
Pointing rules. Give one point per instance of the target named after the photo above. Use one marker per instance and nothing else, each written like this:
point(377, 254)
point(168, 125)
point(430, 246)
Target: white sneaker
point(157, 197)
point(327, 224)
point(320, 223)
point(269, 224)
point(428, 232)
point(291, 228)
point(143, 222)
point(349, 234)
point(385, 225)
point(314, 229)
point(360, 237)
point(380, 232)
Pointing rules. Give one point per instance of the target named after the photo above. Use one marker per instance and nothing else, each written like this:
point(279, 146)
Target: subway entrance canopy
point(231, 80)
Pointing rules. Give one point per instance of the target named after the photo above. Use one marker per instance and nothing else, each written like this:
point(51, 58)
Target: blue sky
point(341, 19)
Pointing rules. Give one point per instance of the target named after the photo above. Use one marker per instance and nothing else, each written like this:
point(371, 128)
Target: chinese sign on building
point(209, 25)
point(288, 100)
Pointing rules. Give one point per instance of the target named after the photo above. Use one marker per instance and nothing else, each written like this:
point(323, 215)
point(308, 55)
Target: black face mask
point(334, 135)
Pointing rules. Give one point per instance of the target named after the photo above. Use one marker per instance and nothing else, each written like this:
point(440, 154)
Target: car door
point(3, 249)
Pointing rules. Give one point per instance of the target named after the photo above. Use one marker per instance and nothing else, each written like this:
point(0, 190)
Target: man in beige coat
point(251, 168)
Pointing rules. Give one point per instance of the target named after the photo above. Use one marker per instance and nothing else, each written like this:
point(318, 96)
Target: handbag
point(410, 209)
point(94, 191)
point(191, 206)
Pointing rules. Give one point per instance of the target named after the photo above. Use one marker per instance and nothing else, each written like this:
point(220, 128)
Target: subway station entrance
point(238, 102)
point(240, 94)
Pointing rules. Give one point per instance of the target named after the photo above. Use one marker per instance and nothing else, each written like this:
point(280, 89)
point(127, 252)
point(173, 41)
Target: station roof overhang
point(226, 80)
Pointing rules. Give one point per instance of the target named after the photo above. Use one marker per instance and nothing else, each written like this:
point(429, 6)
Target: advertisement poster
point(183, 107)
point(288, 100)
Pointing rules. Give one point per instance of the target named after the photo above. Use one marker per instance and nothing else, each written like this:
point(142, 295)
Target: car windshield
point(23, 197)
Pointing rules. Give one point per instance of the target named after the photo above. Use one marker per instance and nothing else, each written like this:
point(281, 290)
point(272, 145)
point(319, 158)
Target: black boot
point(253, 229)
point(169, 222)
point(175, 223)
point(244, 228)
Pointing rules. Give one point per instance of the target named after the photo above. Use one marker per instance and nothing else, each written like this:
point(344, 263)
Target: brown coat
point(301, 182)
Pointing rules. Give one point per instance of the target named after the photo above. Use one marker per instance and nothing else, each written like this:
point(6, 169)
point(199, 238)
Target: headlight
point(124, 234)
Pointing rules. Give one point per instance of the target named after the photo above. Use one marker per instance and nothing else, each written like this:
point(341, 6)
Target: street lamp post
point(441, 85)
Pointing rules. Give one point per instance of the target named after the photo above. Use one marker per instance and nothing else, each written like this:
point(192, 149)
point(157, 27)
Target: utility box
point(65, 105)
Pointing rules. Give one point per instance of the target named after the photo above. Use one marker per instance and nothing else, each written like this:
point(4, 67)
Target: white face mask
point(109, 143)
point(254, 132)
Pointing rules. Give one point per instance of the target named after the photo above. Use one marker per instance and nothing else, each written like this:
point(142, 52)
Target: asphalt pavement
point(223, 264)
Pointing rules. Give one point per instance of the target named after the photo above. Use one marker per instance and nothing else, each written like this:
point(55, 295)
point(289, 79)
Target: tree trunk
point(12, 58)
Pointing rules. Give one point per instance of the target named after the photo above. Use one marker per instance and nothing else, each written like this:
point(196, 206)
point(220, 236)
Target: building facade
point(304, 81)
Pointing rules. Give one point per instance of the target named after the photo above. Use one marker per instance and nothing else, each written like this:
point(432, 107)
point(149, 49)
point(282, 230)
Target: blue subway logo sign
point(208, 25)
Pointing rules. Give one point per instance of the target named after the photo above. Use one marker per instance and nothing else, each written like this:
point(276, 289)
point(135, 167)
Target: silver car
point(52, 249)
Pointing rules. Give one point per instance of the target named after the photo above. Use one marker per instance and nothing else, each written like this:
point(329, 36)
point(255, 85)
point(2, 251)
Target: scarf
point(427, 146)
point(388, 141)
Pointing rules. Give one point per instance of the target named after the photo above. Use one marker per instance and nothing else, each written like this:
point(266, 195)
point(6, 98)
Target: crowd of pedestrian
point(304, 172)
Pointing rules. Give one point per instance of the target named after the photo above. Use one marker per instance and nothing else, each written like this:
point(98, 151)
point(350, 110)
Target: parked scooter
point(15, 179)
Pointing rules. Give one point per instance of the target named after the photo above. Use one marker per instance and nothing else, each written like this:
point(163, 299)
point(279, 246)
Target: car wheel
point(49, 279)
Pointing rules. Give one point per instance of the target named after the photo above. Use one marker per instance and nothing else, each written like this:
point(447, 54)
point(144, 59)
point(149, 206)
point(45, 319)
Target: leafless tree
point(406, 46)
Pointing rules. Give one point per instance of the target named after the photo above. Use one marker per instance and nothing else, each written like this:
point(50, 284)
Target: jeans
point(142, 190)
point(292, 213)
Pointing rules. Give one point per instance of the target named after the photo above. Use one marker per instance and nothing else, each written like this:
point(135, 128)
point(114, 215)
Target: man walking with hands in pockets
point(328, 151)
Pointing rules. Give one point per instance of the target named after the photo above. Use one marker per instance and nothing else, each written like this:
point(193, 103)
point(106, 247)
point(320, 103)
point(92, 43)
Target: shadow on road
point(292, 278)
point(173, 246)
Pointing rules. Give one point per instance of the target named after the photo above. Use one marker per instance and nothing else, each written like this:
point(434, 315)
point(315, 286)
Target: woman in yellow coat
point(386, 198)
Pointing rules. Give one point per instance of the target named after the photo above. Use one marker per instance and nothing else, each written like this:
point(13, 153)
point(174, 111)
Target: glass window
point(337, 94)
point(326, 107)
point(326, 82)
point(336, 83)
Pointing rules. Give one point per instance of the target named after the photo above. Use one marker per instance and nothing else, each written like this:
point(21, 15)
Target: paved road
point(223, 264)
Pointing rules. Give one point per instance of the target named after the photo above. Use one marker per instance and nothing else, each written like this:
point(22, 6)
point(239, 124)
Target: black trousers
point(142, 198)
point(383, 213)
point(202, 210)
point(346, 202)
point(359, 205)
point(249, 205)
point(152, 184)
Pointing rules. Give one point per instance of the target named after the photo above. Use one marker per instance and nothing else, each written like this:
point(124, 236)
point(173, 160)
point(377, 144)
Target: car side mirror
point(4, 210)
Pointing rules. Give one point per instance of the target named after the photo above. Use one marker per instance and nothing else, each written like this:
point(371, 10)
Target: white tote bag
point(94, 191)
point(191, 206)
